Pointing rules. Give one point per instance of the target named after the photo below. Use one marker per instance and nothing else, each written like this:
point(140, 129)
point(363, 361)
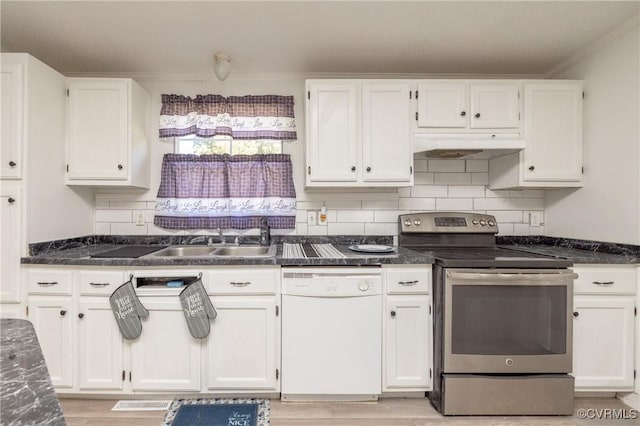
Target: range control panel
point(447, 222)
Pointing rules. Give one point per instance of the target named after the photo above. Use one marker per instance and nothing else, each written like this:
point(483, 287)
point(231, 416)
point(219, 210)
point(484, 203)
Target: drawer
point(408, 280)
point(99, 283)
point(605, 279)
point(49, 281)
point(250, 280)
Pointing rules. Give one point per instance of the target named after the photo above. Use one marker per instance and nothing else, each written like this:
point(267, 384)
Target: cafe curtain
point(241, 117)
point(225, 191)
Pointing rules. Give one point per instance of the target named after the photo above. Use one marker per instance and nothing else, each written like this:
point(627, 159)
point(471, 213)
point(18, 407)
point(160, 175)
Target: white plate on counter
point(372, 248)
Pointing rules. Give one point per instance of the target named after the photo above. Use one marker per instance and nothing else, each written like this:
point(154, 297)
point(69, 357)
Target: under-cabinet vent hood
point(466, 146)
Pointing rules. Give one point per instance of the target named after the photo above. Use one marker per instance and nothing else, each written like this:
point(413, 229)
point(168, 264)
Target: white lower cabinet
point(604, 328)
point(165, 357)
point(242, 347)
point(408, 325)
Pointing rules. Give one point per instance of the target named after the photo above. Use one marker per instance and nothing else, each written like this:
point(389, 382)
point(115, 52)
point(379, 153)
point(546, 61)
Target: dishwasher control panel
point(331, 282)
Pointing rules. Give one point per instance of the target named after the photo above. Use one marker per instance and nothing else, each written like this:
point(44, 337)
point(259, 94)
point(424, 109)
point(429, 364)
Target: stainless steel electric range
point(502, 319)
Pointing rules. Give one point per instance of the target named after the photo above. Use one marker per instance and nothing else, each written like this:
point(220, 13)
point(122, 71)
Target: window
point(225, 145)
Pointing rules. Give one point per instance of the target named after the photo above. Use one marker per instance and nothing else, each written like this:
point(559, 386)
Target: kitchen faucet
point(223, 240)
point(265, 232)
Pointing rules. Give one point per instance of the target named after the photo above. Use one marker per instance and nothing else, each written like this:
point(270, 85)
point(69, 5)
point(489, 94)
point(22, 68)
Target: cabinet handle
point(47, 284)
point(63, 313)
point(532, 168)
point(353, 168)
point(463, 113)
point(368, 169)
point(477, 115)
point(393, 313)
point(408, 283)
point(604, 283)
point(120, 167)
point(98, 284)
point(12, 163)
point(576, 314)
point(81, 315)
point(240, 283)
point(11, 200)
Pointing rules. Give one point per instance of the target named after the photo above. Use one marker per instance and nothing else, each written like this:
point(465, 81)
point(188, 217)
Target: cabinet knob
point(353, 168)
point(463, 113)
point(81, 315)
point(393, 313)
point(120, 167)
point(532, 168)
point(11, 200)
point(63, 313)
point(368, 169)
point(12, 163)
point(576, 314)
point(477, 115)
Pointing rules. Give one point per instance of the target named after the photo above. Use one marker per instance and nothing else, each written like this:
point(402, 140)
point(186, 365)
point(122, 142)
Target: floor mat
point(218, 412)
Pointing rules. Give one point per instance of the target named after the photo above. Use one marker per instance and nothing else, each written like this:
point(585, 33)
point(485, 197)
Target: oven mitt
point(197, 309)
point(127, 310)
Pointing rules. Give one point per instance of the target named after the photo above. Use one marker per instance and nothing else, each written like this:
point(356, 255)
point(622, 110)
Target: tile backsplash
point(440, 185)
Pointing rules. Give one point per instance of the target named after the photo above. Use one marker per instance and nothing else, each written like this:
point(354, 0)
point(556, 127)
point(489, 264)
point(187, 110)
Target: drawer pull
point(47, 283)
point(240, 283)
point(604, 283)
point(98, 284)
point(408, 283)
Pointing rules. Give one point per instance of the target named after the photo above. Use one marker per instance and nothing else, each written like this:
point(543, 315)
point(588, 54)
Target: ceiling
point(476, 37)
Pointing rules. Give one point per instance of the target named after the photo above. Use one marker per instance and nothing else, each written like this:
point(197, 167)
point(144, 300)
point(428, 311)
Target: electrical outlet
point(139, 218)
point(312, 218)
point(535, 219)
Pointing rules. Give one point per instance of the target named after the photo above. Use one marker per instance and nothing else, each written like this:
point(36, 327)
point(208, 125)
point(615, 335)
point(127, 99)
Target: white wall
point(607, 207)
point(448, 185)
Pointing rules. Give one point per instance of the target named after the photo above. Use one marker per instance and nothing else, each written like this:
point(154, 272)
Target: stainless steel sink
point(246, 251)
point(183, 251)
point(215, 251)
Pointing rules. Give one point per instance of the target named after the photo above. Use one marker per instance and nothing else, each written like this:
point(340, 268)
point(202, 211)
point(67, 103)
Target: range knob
point(407, 222)
point(474, 221)
point(492, 223)
point(483, 222)
point(417, 222)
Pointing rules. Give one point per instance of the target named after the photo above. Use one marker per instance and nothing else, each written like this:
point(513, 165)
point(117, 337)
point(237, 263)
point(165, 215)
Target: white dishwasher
point(331, 333)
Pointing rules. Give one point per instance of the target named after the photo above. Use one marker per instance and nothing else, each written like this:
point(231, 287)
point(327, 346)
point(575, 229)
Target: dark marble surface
point(27, 395)
point(79, 251)
point(578, 251)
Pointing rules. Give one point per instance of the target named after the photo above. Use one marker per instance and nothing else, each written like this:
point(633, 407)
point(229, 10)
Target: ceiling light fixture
point(222, 66)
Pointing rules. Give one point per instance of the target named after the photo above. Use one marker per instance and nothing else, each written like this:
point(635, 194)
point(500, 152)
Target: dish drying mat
point(297, 251)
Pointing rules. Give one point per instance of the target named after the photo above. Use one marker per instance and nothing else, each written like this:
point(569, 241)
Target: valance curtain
point(241, 117)
point(226, 192)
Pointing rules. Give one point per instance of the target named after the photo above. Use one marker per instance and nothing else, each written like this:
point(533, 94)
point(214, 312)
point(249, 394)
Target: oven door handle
point(513, 278)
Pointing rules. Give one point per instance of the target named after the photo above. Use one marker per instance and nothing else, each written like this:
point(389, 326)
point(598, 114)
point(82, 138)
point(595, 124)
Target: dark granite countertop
point(577, 251)
point(78, 252)
point(27, 395)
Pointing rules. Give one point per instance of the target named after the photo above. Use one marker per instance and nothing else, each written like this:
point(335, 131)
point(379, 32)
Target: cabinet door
point(242, 346)
point(494, 106)
point(10, 244)
point(553, 132)
point(52, 319)
point(333, 132)
point(442, 104)
point(603, 341)
point(12, 121)
point(165, 357)
point(99, 345)
point(98, 129)
point(386, 143)
point(408, 342)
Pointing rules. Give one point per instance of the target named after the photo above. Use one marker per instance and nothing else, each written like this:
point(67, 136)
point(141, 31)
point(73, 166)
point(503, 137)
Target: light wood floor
point(386, 412)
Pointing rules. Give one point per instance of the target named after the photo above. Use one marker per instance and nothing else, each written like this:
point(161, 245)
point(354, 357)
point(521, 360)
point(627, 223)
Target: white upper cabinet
point(12, 121)
point(107, 138)
point(553, 137)
point(358, 133)
point(468, 106)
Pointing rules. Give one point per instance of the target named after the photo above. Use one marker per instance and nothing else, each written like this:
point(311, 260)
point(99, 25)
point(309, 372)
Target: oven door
point(508, 321)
